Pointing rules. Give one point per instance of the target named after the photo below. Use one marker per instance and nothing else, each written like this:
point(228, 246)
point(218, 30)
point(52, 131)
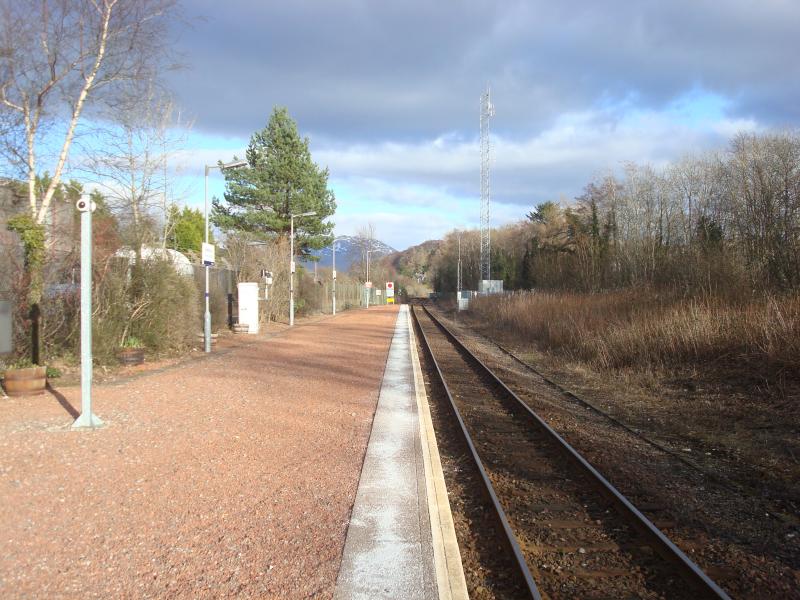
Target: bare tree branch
point(78, 51)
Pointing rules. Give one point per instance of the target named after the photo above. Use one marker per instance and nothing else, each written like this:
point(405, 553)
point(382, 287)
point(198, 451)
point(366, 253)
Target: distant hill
point(415, 262)
point(348, 252)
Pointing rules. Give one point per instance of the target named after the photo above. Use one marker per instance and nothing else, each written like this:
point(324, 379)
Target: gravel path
point(231, 476)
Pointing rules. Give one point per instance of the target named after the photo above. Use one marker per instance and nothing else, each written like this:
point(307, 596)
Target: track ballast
point(571, 534)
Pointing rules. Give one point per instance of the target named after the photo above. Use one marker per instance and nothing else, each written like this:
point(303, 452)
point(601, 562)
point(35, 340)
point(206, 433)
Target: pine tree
point(280, 180)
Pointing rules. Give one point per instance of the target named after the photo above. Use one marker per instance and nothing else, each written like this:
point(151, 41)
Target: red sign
point(389, 285)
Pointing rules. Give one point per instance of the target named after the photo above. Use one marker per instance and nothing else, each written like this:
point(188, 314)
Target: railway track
point(570, 532)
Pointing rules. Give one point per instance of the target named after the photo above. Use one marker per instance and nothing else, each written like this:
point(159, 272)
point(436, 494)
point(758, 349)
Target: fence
point(223, 303)
point(318, 297)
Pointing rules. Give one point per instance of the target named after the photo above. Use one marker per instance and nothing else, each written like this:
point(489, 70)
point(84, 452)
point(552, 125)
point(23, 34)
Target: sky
point(389, 92)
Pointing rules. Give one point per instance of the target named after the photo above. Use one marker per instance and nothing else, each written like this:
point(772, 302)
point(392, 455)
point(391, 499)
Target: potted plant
point(131, 352)
point(23, 378)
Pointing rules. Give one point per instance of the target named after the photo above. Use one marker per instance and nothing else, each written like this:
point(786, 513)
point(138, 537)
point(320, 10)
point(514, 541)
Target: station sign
point(207, 254)
point(390, 289)
point(367, 284)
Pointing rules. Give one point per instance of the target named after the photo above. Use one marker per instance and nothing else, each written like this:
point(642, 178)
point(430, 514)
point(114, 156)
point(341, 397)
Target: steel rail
point(612, 419)
point(500, 514)
point(732, 486)
point(655, 537)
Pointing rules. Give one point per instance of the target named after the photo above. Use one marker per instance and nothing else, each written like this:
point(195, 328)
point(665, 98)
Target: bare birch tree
point(75, 53)
point(59, 60)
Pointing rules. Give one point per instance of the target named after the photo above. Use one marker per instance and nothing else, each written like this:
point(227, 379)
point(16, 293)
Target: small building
point(490, 286)
point(463, 297)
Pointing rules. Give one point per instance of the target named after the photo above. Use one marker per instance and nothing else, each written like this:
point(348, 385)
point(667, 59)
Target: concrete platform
point(401, 541)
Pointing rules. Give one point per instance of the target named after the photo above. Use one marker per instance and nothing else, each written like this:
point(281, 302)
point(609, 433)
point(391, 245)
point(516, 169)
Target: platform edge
point(450, 581)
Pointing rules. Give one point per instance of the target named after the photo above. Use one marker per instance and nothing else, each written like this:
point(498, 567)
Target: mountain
point(415, 262)
point(348, 252)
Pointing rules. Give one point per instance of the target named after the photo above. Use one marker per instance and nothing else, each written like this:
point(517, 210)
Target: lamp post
point(207, 315)
point(334, 273)
point(369, 289)
point(291, 262)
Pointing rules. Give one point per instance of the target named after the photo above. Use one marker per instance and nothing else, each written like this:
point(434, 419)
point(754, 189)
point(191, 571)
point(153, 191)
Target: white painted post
point(207, 313)
point(86, 420)
point(334, 276)
point(291, 271)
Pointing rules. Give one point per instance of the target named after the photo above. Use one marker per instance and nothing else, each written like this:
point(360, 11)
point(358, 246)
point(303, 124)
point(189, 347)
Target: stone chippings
point(227, 477)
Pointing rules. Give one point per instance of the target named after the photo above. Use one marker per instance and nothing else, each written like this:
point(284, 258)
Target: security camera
point(85, 205)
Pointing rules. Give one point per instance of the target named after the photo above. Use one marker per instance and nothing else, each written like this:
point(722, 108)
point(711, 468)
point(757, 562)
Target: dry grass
point(642, 329)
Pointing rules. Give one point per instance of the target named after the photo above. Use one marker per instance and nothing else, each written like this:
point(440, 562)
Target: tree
point(71, 54)
point(544, 213)
point(131, 167)
point(280, 180)
point(365, 240)
point(34, 243)
point(188, 229)
point(105, 228)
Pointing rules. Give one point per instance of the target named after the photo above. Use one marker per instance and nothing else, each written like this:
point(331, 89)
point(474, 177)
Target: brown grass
point(642, 329)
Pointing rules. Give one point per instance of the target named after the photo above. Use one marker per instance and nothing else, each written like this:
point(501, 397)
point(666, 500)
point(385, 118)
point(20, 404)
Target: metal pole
point(291, 271)
point(334, 276)
point(369, 290)
point(458, 275)
point(207, 316)
point(86, 418)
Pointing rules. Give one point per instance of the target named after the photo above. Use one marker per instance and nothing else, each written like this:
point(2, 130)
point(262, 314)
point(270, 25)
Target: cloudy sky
point(388, 93)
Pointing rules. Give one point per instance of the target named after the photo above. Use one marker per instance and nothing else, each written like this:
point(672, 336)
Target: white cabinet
point(248, 305)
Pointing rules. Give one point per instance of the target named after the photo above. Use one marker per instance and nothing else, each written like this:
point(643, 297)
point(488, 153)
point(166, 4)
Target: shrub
point(149, 305)
point(111, 310)
point(168, 314)
point(132, 342)
point(639, 328)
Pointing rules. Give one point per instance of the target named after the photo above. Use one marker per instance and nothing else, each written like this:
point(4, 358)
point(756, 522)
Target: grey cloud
point(357, 70)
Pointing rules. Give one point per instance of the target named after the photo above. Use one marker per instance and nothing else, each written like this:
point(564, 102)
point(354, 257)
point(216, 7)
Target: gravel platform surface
point(231, 476)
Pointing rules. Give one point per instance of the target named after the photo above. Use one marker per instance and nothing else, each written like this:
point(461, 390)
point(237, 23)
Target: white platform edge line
point(450, 580)
point(339, 586)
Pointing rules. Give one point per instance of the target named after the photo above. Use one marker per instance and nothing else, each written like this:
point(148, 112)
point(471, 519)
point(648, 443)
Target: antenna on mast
point(487, 111)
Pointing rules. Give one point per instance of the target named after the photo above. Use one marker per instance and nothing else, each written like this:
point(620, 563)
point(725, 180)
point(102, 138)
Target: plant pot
point(25, 382)
point(131, 356)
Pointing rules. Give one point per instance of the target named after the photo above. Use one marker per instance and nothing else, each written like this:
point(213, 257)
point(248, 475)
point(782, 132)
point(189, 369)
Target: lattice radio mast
point(487, 111)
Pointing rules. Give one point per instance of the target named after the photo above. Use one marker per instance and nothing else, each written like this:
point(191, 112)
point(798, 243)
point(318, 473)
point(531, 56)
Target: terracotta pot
point(25, 382)
point(131, 356)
